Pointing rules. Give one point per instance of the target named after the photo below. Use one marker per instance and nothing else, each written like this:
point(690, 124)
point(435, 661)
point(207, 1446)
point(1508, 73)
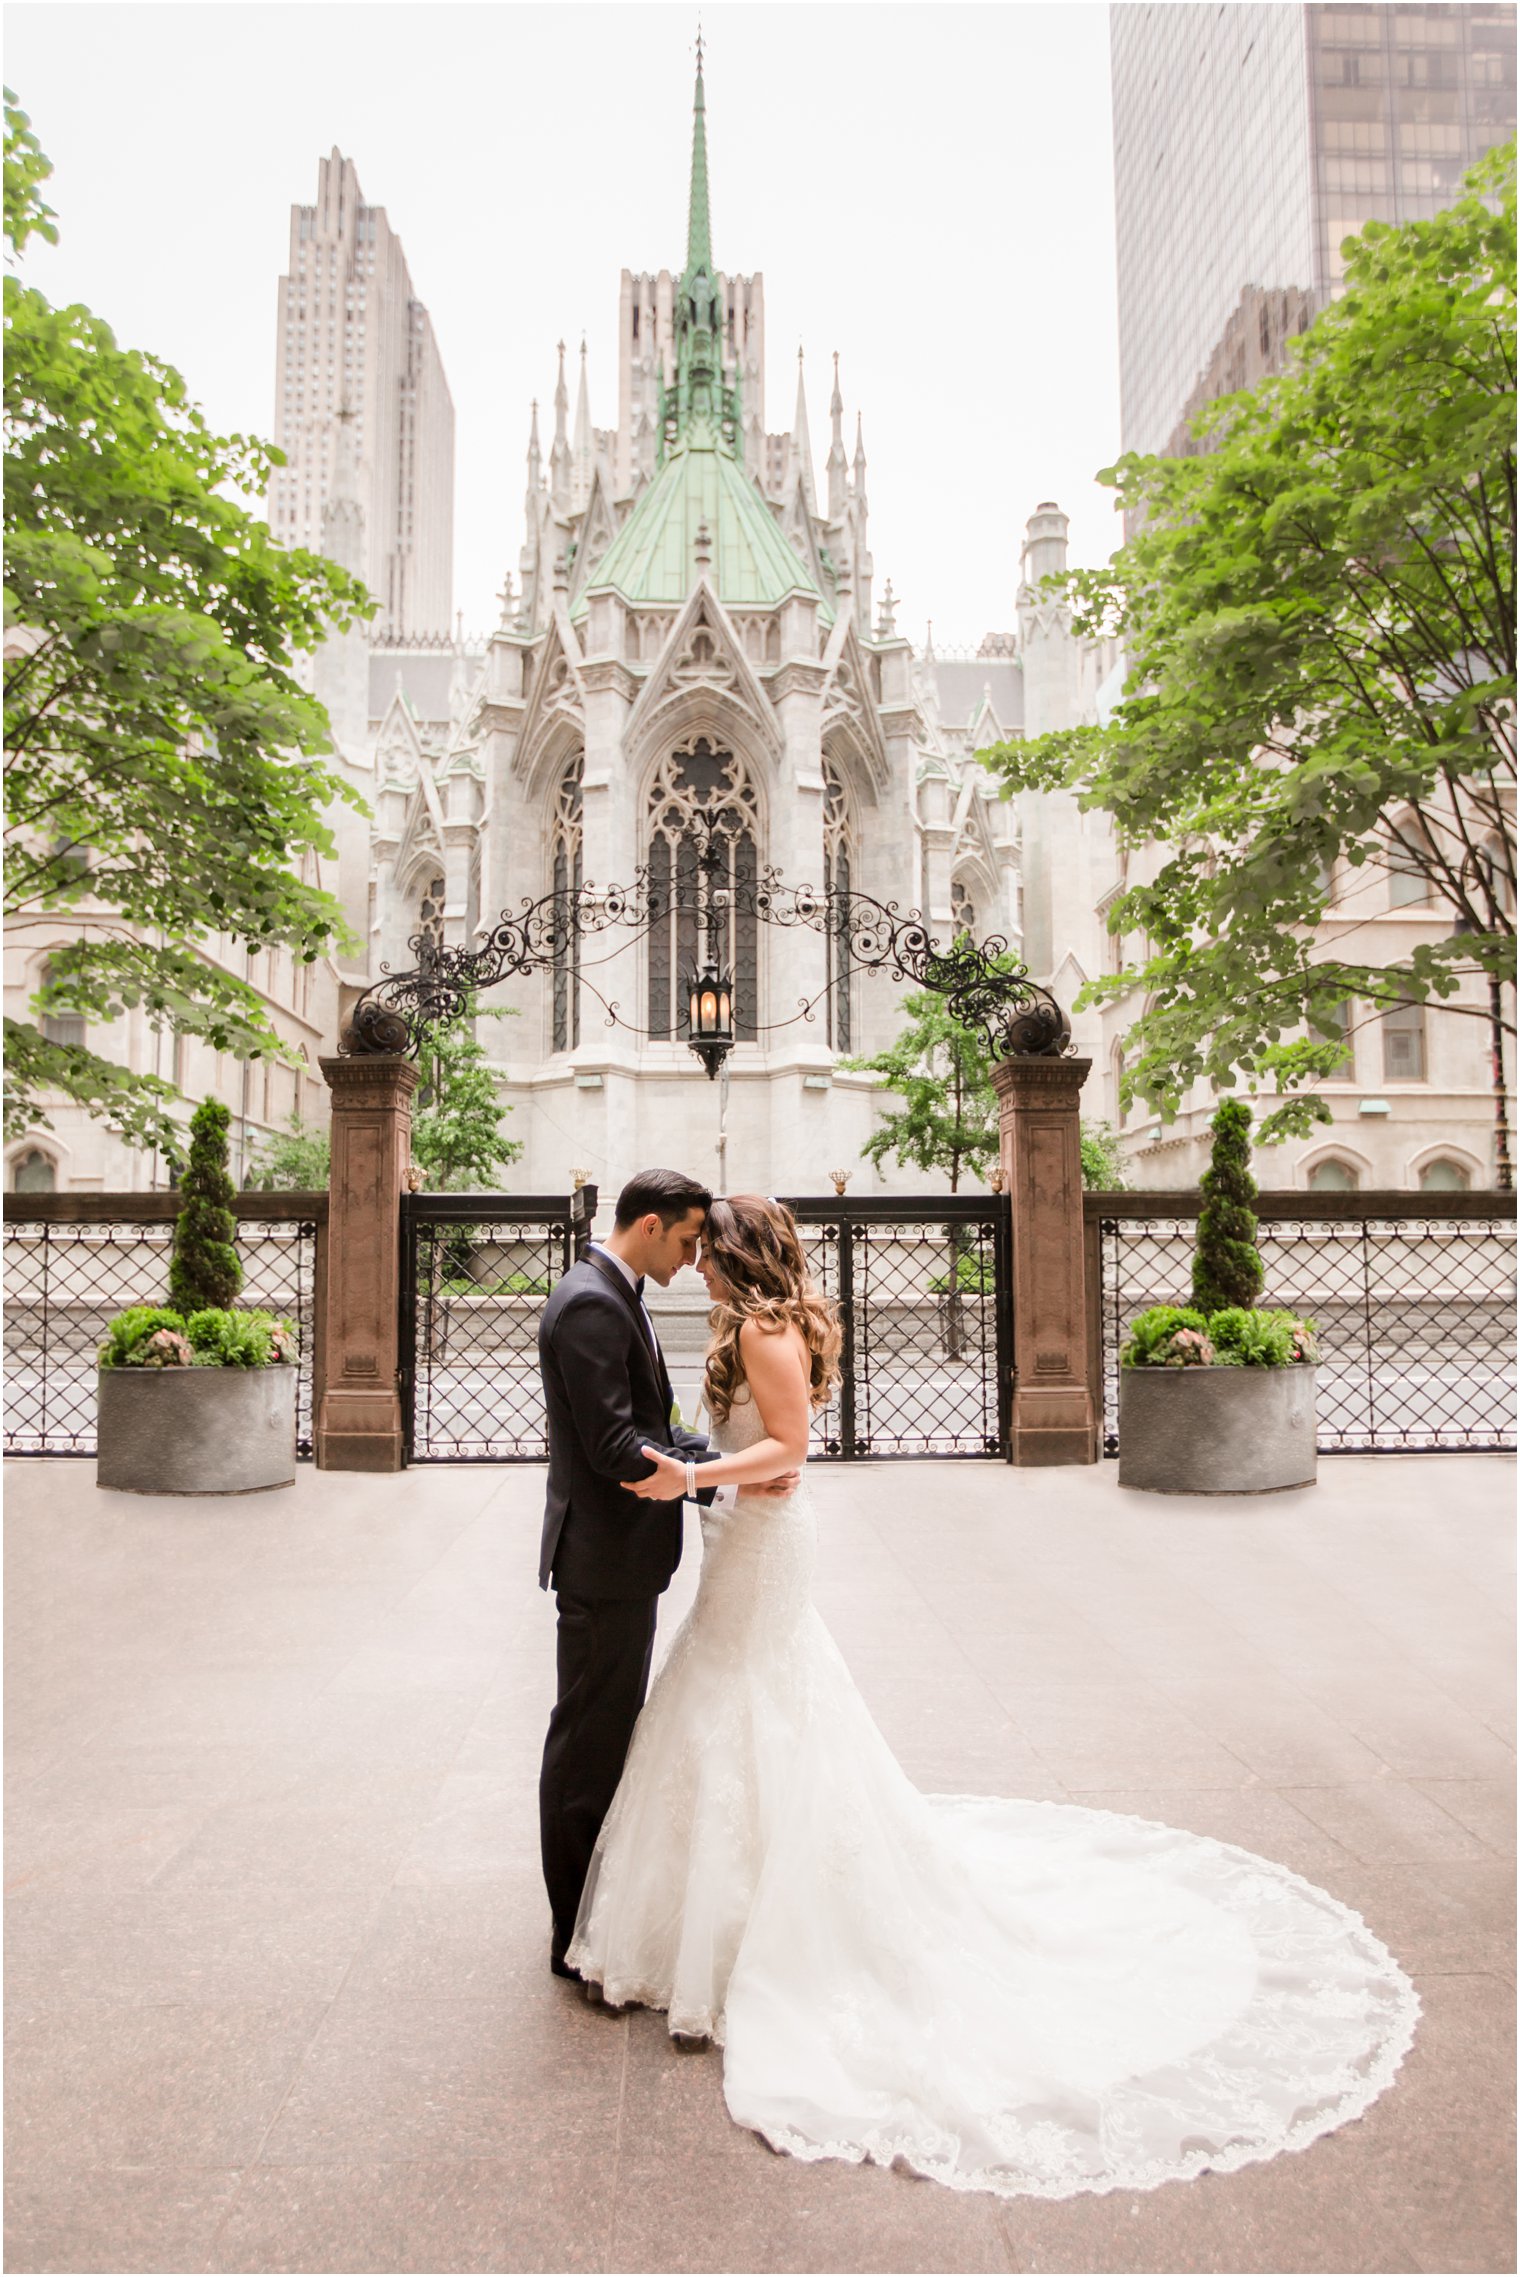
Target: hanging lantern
point(710, 1016)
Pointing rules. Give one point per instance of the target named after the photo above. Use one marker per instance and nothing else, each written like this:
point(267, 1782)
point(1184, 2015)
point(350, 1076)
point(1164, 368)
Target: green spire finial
point(699, 220)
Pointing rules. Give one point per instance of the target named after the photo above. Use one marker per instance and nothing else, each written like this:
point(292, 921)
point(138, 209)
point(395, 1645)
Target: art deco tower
point(354, 336)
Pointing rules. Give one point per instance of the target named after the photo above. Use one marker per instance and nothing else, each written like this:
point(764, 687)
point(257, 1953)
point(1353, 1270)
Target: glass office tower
point(1249, 141)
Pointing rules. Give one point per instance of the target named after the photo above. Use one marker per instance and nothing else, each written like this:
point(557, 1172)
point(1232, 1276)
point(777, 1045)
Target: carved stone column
point(1053, 1414)
point(358, 1423)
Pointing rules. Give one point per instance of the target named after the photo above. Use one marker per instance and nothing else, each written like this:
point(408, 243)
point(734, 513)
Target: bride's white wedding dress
point(1028, 1998)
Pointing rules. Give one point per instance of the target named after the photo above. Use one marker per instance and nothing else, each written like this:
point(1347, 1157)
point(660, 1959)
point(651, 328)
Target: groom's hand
point(788, 1483)
point(666, 1483)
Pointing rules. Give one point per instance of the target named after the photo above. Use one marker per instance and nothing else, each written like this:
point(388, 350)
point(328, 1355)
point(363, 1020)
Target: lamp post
point(710, 1033)
point(710, 989)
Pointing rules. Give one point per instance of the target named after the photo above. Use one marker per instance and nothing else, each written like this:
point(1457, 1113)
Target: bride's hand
point(667, 1482)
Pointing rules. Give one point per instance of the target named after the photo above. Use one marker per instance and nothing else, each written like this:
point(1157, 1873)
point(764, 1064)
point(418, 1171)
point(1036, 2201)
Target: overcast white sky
point(927, 188)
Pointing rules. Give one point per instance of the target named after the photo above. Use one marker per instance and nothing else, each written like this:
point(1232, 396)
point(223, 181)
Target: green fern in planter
point(1227, 1270)
point(204, 1271)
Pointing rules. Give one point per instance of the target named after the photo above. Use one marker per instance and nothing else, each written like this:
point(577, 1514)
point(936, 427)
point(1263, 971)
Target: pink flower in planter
point(1192, 1349)
point(163, 1349)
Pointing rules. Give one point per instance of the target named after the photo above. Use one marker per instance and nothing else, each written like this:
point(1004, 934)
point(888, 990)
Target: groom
point(609, 1554)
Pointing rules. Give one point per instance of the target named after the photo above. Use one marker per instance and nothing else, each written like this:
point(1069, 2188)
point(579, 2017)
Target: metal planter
point(1216, 1430)
point(196, 1430)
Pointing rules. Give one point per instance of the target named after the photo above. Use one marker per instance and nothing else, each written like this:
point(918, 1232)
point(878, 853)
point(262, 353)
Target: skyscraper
point(354, 337)
point(1249, 142)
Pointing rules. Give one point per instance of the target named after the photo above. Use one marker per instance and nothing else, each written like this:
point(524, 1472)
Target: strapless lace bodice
point(1023, 1997)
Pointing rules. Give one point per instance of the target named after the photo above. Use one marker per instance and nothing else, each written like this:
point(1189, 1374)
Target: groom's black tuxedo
point(608, 1553)
point(607, 1392)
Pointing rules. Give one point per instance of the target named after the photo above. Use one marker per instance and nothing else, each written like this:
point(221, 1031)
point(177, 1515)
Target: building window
point(838, 876)
point(566, 843)
point(1407, 888)
point(1443, 1176)
point(962, 910)
point(693, 786)
point(1338, 1017)
point(34, 1173)
point(1333, 1177)
point(1404, 1044)
point(430, 915)
point(61, 1027)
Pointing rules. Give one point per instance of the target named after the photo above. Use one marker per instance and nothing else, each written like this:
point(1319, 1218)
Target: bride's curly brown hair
point(753, 1242)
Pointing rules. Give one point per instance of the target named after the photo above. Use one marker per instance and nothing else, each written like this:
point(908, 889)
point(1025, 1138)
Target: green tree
point(204, 1269)
point(1227, 1264)
point(457, 1135)
point(298, 1159)
point(1102, 1160)
point(942, 1071)
point(1318, 612)
point(161, 778)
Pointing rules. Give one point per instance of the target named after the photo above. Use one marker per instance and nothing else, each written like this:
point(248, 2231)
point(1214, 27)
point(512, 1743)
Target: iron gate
point(1413, 1296)
point(921, 1284)
point(476, 1269)
point(72, 1261)
point(922, 1287)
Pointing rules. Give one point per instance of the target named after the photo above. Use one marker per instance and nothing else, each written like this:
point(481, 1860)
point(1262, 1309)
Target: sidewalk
point(278, 1988)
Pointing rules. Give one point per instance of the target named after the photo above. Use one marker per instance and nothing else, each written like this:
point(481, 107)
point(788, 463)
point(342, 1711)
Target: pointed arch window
point(430, 913)
point(962, 909)
point(566, 839)
point(694, 784)
point(61, 1027)
point(34, 1172)
point(838, 877)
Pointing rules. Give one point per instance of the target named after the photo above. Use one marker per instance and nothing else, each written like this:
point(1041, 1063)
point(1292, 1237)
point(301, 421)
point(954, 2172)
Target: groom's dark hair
point(670, 1192)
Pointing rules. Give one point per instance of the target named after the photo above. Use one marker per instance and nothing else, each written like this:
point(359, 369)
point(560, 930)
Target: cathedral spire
point(860, 461)
point(559, 456)
point(581, 471)
point(836, 464)
point(535, 455)
point(704, 409)
point(802, 441)
point(699, 212)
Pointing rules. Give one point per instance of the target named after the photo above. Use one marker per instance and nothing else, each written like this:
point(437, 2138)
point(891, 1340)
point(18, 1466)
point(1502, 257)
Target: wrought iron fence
point(73, 1261)
point(922, 1286)
point(476, 1271)
point(1414, 1304)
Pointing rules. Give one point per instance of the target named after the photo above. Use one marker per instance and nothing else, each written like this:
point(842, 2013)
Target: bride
point(1022, 1997)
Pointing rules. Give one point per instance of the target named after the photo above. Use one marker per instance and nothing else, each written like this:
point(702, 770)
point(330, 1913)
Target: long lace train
point(1023, 1997)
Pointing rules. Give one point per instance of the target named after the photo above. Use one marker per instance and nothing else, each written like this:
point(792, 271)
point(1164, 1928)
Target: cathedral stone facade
point(695, 626)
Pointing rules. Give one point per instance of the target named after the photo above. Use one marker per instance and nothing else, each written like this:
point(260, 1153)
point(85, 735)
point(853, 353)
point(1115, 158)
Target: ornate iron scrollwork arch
point(982, 986)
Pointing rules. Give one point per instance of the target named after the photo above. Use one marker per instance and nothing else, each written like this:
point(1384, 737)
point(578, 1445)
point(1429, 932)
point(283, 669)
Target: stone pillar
point(1054, 1420)
point(358, 1422)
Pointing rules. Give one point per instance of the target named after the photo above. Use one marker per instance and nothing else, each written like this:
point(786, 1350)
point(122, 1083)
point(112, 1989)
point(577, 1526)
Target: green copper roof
point(653, 558)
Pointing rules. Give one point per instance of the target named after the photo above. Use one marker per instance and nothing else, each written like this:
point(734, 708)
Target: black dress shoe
point(562, 1968)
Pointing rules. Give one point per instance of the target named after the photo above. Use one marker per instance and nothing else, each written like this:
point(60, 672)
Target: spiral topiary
point(204, 1270)
point(1227, 1268)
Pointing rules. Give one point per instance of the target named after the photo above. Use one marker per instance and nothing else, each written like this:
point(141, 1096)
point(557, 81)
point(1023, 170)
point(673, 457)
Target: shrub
point(163, 1349)
point(240, 1339)
point(1245, 1338)
point(151, 1336)
point(134, 1327)
point(1227, 1269)
point(1168, 1336)
point(973, 1278)
point(204, 1271)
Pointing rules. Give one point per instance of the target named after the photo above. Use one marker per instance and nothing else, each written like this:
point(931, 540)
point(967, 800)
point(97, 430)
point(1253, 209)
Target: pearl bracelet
point(691, 1482)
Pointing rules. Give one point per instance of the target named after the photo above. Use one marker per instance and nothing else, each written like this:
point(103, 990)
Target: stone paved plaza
point(278, 1992)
